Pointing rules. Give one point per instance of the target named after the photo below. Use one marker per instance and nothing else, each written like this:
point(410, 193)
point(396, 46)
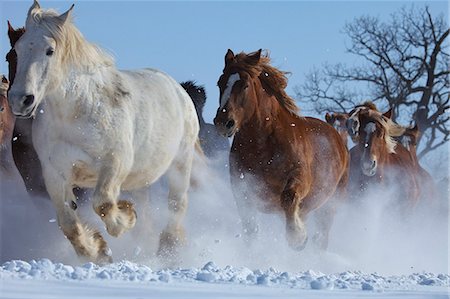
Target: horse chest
point(250, 161)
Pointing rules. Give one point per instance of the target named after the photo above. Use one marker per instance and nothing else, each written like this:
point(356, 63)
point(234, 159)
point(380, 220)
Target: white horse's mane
point(76, 51)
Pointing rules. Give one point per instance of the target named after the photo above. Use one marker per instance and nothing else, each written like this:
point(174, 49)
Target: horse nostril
point(29, 99)
point(229, 124)
point(374, 164)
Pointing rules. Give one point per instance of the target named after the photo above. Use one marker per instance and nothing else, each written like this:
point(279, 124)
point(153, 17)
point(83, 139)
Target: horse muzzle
point(225, 127)
point(369, 168)
point(22, 106)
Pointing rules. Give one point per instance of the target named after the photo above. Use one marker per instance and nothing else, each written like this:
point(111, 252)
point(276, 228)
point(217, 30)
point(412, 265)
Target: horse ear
point(10, 27)
point(328, 117)
point(33, 7)
point(388, 114)
point(11, 31)
point(229, 57)
point(253, 58)
point(63, 18)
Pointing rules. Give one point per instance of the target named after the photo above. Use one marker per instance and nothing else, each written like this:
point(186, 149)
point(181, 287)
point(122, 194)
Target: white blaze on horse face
point(227, 93)
point(337, 124)
point(369, 129)
point(354, 121)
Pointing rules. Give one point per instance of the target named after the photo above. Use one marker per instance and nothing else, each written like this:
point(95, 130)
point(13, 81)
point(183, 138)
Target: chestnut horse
point(24, 154)
point(212, 143)
point(279, 161)
point(339, 122)
point(384, 162)
point(7, 167)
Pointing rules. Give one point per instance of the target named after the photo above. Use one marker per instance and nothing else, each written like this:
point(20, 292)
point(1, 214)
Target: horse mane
point(197, 94)
point(272, 79)
point(77, 51)
point(391, 128)
point(369, 104)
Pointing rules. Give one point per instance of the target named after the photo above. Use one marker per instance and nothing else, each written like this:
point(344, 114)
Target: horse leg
point(118, 216)
point(178, 175)
point(294, 205)
point(247, 213)
point(325, 214)
point(141, 232)
point(87, 242)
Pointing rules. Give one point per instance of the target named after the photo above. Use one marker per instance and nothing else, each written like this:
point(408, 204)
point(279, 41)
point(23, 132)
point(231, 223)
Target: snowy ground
point(373, 253)
point(45, 279)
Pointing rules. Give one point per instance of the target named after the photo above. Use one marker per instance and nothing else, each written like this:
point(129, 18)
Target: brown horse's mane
point(369, 104)
point(391, 128)
point(272, 79)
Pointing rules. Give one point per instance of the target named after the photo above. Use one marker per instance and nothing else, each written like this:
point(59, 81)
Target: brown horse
point(279, 161)
point(339, 122)
point(6, 132)
point(409, 141)
point(384, 162)
point(24, 154)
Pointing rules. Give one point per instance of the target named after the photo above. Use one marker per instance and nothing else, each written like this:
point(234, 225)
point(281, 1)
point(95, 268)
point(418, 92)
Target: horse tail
point(197, 94)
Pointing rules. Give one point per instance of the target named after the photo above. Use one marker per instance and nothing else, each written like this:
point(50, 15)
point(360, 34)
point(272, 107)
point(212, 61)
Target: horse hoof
point(169, 243)
point(298, 246)
point(119, 218)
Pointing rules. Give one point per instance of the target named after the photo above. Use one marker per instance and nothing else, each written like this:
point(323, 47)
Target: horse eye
point(50, 52)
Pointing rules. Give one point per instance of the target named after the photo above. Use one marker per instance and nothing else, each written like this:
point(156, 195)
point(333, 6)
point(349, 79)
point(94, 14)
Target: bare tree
point(404, 63)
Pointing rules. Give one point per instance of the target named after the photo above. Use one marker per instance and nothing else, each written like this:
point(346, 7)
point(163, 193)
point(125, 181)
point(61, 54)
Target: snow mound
point(126, 271)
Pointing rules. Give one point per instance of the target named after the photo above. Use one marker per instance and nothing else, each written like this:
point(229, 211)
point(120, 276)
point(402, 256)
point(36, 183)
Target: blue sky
point(188, 39)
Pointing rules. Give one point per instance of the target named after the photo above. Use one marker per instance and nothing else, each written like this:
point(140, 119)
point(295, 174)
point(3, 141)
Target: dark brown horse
point(213, 144)
point(279, 161)
point(25, 156)
point(384, 162)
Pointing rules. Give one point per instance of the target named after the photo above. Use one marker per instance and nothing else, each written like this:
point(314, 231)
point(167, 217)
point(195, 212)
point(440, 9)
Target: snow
point(20, 278)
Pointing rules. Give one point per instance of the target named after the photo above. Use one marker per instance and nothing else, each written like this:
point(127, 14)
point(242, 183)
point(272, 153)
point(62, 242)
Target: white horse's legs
point(87, 242)
point(118, 216)
point(179, 182)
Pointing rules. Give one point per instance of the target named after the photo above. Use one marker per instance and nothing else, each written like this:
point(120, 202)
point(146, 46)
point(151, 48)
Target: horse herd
point(71, 121)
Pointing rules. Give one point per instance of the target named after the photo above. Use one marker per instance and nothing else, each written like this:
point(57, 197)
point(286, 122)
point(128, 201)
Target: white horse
point(98, 127)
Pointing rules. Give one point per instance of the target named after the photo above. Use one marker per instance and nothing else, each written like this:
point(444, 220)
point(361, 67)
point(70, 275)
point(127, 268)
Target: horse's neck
point(267, 119)
point(79, 90)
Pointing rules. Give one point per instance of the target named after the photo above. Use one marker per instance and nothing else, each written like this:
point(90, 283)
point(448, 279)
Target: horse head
point(376, 132)
point(38, 59)
point(352, 122)
point(339, 122)
point(237, 94)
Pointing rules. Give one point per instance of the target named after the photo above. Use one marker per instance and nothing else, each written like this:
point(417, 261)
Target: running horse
point(385, 162)
point(212, 143)
point(24, 154)
point(7, 167)
point(101, 128)
point(339, 123)
point(279, 161)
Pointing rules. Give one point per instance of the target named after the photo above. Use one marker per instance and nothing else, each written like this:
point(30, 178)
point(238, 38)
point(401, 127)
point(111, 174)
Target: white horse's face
point(36, 64)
